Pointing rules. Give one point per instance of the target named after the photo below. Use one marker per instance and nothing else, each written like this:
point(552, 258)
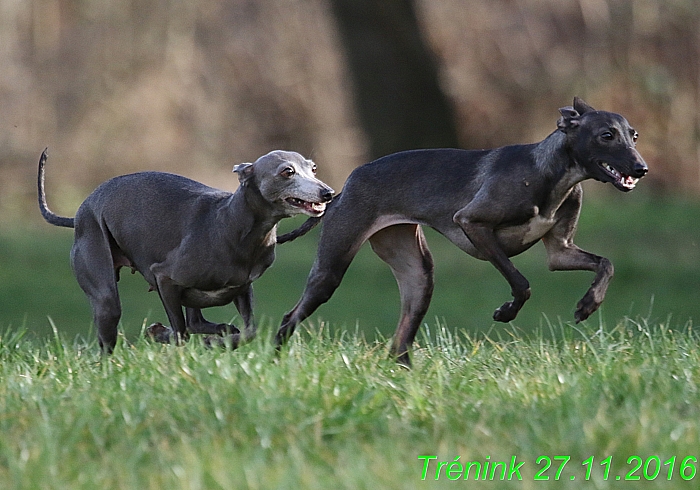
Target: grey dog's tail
point(306, 227)
point(49, 215)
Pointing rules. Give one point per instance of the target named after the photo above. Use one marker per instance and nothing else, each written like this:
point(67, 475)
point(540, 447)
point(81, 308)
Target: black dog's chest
point(516, 238)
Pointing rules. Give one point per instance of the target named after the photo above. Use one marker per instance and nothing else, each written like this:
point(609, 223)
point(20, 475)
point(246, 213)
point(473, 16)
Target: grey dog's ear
point(570, 118)
point(244, 171)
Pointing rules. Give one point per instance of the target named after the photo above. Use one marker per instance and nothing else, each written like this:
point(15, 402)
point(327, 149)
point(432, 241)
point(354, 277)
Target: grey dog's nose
point(640, 169)
point(327, 194)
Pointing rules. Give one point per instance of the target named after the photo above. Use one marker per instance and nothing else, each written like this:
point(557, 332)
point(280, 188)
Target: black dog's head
point(603, 144)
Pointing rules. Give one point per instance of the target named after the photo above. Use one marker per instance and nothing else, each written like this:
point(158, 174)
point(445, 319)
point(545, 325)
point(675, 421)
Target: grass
point(333, 412)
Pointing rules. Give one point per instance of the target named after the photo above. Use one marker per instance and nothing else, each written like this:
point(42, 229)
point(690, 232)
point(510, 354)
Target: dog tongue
point(628, 181)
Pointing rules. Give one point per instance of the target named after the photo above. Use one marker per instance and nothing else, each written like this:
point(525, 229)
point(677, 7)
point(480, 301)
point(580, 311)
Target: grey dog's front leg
point(170, 294)
point(244, 305)
point(484, 239)
point(197, 324)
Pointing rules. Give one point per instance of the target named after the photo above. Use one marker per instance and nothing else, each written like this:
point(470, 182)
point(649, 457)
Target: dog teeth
point(611, 170)
point(626, 181)
point(314, 207)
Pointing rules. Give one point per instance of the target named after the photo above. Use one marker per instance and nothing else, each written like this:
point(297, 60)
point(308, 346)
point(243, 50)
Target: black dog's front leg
point(564, 255)
point(484, 239)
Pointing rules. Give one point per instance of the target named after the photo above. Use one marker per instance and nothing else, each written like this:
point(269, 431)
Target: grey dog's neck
point(253, 216)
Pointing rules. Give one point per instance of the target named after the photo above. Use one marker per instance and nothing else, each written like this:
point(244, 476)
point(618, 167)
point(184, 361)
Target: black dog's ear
point(570, 118)
point(581, 107)
point(244, 171)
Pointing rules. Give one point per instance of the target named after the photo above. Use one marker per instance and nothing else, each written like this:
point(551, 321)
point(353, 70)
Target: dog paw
point(223, 329)
point(221, 341)
point(160, 333)
point(586, 307)
point(507, 312)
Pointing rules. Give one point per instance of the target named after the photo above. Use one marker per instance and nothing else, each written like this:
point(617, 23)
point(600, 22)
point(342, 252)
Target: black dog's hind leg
point(336, 249)
point(404, 248)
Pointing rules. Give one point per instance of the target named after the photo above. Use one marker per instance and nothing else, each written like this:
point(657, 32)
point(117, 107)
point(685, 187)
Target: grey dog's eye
point(313, 169)
point(288, 172)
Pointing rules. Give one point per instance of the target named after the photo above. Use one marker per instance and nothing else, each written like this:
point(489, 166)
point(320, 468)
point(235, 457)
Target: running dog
point(492, 204)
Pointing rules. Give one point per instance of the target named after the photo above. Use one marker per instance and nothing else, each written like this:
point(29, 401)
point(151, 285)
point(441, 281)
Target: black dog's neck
point(555, 161)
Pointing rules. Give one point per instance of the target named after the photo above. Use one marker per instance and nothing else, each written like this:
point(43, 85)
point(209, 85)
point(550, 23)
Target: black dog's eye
point(288, 172)
point(607, 136)
point(635, 135)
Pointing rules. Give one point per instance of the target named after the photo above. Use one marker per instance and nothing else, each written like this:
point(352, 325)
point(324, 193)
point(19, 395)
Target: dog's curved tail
point(49, 215)
point(306, 227)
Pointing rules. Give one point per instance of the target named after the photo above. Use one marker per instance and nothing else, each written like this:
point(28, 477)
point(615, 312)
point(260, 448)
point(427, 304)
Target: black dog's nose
point(640, 169)
point(326, 195)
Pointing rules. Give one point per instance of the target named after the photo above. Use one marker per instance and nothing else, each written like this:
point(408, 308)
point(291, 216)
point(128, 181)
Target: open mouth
point(621, 181)
point(312, 208)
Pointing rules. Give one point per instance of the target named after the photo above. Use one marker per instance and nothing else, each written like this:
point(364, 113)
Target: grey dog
point(492, 204)
point(196, 246)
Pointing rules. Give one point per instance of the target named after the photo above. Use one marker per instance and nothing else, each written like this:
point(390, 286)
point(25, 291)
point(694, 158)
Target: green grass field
point(654, 245)
point(333, 412)
point(616, 396)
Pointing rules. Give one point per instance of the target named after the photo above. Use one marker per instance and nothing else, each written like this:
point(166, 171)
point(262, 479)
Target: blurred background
point(196, 87)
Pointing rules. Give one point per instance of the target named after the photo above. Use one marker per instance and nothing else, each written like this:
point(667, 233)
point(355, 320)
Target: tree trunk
point(399, 100)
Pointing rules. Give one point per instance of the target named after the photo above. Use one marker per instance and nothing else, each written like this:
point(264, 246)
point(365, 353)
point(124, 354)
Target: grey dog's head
point(603, 143)
point(288, 180)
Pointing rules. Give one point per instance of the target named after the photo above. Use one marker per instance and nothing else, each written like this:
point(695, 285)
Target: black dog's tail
point(306, 227)
point(49, 215)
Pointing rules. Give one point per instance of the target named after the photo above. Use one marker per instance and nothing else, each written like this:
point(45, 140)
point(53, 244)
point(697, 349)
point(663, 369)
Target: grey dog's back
point(117, 201)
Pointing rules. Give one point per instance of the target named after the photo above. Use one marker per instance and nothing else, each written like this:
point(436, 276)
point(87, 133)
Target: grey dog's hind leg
point(93, 266)
point(404, 248)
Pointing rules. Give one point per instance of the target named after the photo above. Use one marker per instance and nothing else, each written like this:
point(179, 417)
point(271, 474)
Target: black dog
point(493, 204)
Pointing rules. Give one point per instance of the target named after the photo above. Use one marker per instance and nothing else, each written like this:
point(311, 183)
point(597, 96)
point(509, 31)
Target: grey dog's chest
point(226, 283)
